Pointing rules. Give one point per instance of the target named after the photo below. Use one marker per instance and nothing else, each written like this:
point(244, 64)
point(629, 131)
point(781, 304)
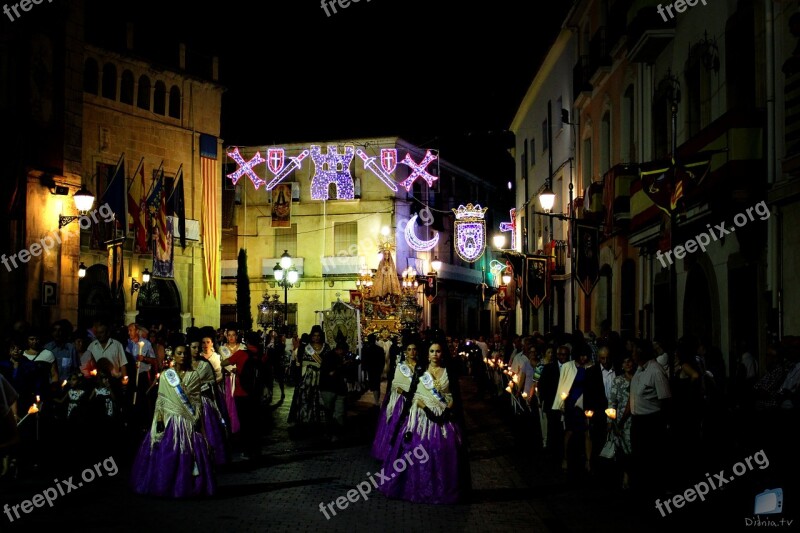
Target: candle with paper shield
point(611, 413)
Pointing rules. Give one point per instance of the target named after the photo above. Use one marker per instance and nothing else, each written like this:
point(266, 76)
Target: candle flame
point(508, 389)
point(611, 413)
point(564, 395)
point(140, 343)
point(33, 409)
point(38, 399)
point(125, 380)
point(93, 372)
point(64, 383)
point(524, 394)
point(589, 413)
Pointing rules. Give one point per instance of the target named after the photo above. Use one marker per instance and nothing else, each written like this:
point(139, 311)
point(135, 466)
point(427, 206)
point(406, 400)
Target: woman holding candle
point(213, 422)
point(174, 459)
point(620, 424)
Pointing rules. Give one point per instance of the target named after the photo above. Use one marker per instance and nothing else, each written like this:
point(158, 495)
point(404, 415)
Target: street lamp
point(286, 275)
point(83, 203)
point(436, 265)
point(499, 241)
point(546, 199)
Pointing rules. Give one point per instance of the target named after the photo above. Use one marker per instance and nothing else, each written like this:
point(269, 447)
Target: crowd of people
point(184, 404)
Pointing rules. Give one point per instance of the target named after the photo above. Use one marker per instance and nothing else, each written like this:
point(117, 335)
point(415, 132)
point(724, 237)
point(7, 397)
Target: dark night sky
point(440, 74)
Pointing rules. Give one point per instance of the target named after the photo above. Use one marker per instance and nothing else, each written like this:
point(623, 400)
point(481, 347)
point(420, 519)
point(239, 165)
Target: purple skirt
point(425, 470)
point(214, 431)
point(383, 434)
point(167, 471)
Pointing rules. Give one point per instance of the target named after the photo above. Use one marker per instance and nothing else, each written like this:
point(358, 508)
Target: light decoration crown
point(470, 211)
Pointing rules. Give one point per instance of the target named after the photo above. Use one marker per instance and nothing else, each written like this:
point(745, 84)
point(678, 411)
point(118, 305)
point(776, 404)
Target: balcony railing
point(599, 52)
point(580, 77)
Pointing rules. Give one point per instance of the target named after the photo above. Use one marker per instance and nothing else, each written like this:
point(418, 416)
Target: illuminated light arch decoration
point(512, 227)
point(418, 170)
point(332, 167)
point(379, 171)
point(470, 232)
point(414, 242)
point(246, 168)
point(275, 164)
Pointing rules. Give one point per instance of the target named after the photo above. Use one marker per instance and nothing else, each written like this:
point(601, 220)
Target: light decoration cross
point(512, 227)
point(470, 232)
point(246, 168)
point(332, 167)
point(419, 170)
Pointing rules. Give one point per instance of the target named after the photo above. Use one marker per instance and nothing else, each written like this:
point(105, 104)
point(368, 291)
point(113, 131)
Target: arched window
point(110, 81)
point(90, 75)
point(628, 145)
point(175, 102)
point(126, 88)
point(160, 98)
point(143, 95)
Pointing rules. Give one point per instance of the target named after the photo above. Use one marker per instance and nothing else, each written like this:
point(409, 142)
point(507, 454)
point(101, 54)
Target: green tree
point(243, 311)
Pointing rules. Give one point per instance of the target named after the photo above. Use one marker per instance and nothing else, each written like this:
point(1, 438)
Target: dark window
point(160, 98)
point(90, 75)
point(143, 95)
point(126, 88)
point(110, 81)
point(175, 102)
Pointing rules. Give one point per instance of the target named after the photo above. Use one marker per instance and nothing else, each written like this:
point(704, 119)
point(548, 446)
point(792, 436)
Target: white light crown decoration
point(332, 167)
point(470, 232)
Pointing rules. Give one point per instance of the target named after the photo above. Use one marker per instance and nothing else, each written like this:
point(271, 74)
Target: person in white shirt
point(607, 369)
point(104, 347)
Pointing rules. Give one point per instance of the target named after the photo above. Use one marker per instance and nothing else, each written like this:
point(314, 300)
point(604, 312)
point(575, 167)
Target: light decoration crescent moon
point(414, 242)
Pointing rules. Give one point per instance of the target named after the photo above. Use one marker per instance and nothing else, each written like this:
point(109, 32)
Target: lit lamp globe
point(506, 278)
point(436, 264)
point(499, 241)
point(286, 259)
point(83, 200)
point(292, 276)
point(546, 199)
point(146, 276)
point(278, 273)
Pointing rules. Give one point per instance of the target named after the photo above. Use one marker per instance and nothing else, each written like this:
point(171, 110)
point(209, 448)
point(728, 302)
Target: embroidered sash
point(173, 379)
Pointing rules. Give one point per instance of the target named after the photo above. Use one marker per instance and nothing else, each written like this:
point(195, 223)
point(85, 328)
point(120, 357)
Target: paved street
point(513, 490)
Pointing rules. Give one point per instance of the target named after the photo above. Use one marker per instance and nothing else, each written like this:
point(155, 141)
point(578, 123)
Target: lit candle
point(508, 389)
point(63, 383)
point(589, 413)
point(38, 399)
point(141, 347)
point(516, 379)
point(125, 380)
point(33, 409)
point(564, 395)
point(524, 394)
point(93, 372)
point(611, 413)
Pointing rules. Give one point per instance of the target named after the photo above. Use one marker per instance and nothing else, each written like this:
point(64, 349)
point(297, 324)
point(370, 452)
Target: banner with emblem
point(536, 268)
point(282, 206)
point(470, 232)
point(587, 262)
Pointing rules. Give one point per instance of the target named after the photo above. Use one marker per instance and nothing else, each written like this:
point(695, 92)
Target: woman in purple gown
point(174, 459)
point(426, 463)
point(402, 386)
point(213, 424)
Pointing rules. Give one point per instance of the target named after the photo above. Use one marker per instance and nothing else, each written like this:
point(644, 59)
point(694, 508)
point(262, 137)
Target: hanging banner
point(667, 183)
point(587, 262)
point(282, 206)
point(470, 232)
point(536, 279)
point(163, 263)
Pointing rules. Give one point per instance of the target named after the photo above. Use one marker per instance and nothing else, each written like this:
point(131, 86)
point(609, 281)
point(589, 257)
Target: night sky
point(443, 75)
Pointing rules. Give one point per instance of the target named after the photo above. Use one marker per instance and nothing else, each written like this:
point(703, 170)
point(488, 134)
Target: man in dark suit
point(596, 401)
point(548, 385)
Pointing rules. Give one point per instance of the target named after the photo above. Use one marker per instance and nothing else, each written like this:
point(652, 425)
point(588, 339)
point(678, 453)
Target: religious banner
point(536, 279)
point(587, 261)
point(282, 206)
point(163, 256)
point(116, 269)
point(667, 183)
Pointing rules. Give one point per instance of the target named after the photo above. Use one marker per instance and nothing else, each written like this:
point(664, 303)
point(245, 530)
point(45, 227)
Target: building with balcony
point(328, 207)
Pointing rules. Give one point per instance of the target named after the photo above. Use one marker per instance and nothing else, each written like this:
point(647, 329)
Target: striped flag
point(137, 208)
point(211, 216)
point(162, 231)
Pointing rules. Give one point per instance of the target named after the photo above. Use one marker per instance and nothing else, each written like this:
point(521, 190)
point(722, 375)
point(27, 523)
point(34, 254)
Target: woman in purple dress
point(402, 386)
point(213, 423)
point(426, 463)
point(174, 460)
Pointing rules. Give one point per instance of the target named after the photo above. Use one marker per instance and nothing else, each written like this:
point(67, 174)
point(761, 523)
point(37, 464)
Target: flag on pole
point(211, 216)
point(114, 195)
point(176, 206)
point(137, 208)
point(161, 231)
